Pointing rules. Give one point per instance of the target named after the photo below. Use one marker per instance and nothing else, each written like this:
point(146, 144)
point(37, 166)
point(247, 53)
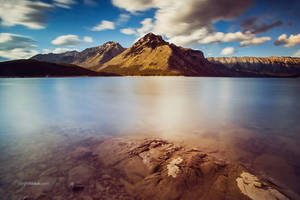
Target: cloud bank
point(288, 41)
point(245, 39)
point(24, 12)
point(88, 39)
point(255, 26)
point(57, 50)
point(123, 18)
point(185, 22)
point(104, 25)
point(70, 40)
point(64, 3)
point(228, 51)
point(128, 31)
point(14, 46)
point(147, 26)
point(66, 40)
point(254, 41)
point(29, 13)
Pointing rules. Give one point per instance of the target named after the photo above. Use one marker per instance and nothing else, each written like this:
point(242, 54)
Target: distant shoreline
point(255, 77)
point(38, 69)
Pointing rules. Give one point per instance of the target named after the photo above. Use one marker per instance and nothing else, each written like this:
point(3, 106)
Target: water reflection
point(21, 105)
point(254, 121)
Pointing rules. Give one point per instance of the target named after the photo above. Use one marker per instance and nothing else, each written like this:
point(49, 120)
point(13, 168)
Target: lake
point(254, 121)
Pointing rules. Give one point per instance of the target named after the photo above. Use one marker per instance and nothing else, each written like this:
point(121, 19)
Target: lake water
point(249, 120)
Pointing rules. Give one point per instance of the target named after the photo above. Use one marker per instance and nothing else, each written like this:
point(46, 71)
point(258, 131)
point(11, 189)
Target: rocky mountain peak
point(110, 44)
point(151, 40)
point(102, 48)
point(152, 36)
point(151, 55)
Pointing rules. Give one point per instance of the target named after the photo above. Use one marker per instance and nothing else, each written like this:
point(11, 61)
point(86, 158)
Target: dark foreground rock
point(118, 168)
point(34, 68)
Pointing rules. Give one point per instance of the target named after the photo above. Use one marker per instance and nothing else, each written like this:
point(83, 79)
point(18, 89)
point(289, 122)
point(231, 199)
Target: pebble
point(75, 187)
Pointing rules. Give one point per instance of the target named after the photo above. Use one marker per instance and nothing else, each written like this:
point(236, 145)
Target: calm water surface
point(252, 121)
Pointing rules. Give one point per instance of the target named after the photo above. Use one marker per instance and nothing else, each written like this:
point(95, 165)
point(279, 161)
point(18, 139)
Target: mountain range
point(151, 55)
point(87, 58)
point(273, 66)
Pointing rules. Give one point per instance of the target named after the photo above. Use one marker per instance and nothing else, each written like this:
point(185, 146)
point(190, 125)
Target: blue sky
point(217, 27)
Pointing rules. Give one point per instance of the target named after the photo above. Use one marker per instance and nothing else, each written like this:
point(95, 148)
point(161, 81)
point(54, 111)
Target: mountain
point(67, 57)
point(272, 66)
point(87, 58)
point(34, 68)
point(151, 55)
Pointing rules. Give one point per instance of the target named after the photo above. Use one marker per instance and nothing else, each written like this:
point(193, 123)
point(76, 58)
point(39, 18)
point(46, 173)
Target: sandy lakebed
point(149, 138)
point(126, 168)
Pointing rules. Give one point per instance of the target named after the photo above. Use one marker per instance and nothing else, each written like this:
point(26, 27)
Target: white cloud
point(225, 37)
point(57, 50)
point(147, 26)
point(90, 2)
point(18, 53)
point(64, 3)
point(46, 51)
point(245, 39)
point(191, 21)
point(133, 5)
point(297, 54)
point(174, 18)
point(189, 39)
point(66, 40)
point(104, 25)
point(70, 40)
point(23, 12)
point(288, 41)
point(228, 51)
point(128, 31)
point(14, 46)
point(62, 50)
point(88, 39)
point(9, 41)
point(204, 36)
point(254, 41)
point(123, 18)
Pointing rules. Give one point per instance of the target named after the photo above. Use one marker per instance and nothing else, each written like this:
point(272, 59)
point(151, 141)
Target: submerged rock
point(173, 168)
point(251, 186)
point(81, 152)
point(148, 169)
point(76, 187)
point(158, 169)
point(80, 175)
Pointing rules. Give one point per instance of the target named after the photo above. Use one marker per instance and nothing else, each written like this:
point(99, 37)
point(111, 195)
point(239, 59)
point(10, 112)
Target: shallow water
point(252, 121)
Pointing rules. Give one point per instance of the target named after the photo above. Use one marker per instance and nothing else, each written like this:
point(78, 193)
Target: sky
point(216, 27)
